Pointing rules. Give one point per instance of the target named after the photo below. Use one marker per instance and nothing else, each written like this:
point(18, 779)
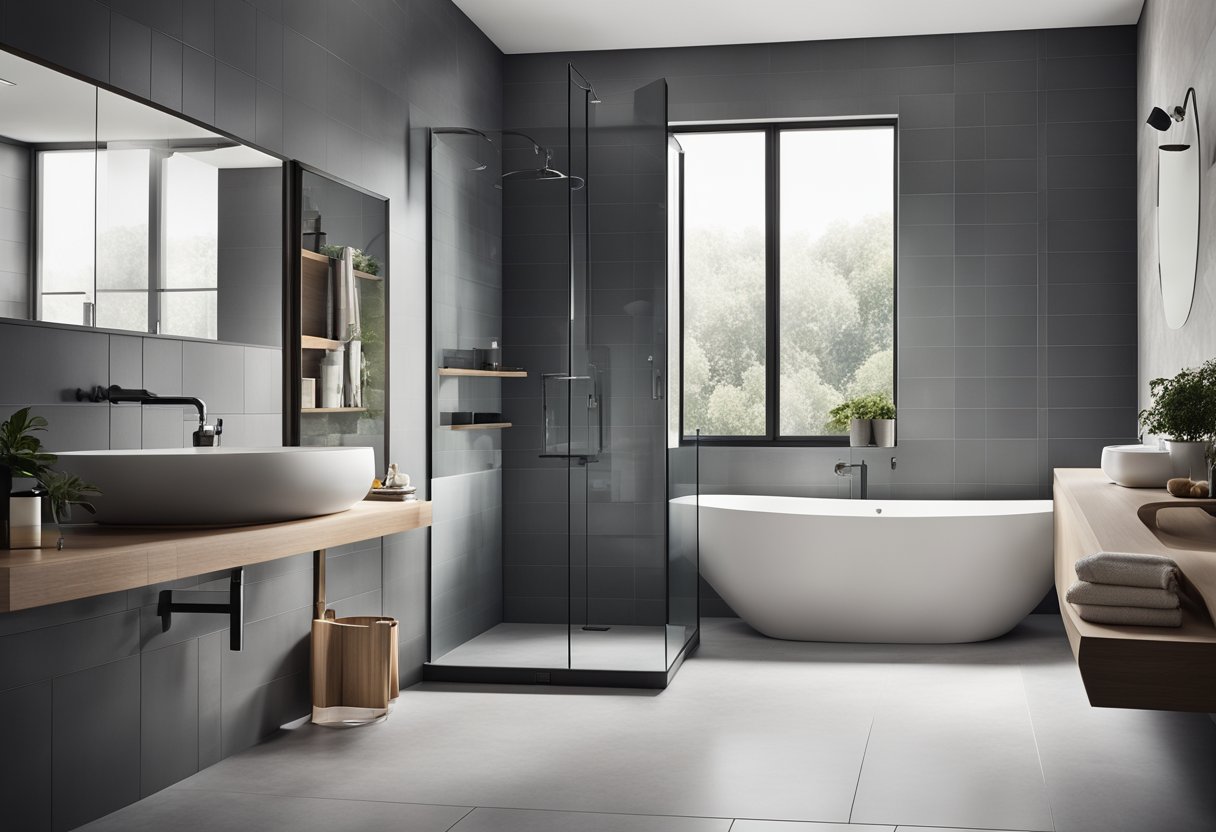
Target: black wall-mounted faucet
point(207, 436)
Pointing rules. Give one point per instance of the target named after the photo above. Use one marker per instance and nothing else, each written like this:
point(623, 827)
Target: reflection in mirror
point(141, 221)
point(343, 325)
point(47, 131)
point(1178, 176)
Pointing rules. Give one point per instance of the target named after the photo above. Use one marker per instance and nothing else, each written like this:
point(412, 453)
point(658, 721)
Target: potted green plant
point(1183, 411)
point(880, 410)
point(22, 457)
point(845, 416)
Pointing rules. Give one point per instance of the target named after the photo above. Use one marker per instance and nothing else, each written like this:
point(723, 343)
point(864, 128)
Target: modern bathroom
point(459, 415)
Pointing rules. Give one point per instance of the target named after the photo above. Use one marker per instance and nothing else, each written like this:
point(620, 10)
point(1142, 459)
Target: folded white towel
point(1125, 569)
point(1130, 616)
point(1111, 595)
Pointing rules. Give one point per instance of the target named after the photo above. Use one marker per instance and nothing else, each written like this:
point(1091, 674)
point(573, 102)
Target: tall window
point(128, 239)
point(789, 267)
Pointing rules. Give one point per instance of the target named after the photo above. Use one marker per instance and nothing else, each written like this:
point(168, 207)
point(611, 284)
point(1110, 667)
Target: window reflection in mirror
point(118, 215)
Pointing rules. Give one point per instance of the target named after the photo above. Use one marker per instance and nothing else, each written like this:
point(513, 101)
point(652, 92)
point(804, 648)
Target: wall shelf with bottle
point(333, 409)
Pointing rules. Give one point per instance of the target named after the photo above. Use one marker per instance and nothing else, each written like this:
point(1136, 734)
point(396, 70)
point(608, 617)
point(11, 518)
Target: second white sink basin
point(1137, 466)
point(221, 486)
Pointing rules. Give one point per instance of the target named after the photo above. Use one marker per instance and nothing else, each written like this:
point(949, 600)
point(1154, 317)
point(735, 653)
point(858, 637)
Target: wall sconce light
point(1159, 119)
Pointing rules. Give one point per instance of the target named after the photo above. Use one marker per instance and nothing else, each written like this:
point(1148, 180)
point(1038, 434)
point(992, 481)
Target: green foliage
point(837, 326)
point(20, 449)
point(65, 490)
point(869, 406)
point(362, 262)
point(1184, 407)
point(22, 452)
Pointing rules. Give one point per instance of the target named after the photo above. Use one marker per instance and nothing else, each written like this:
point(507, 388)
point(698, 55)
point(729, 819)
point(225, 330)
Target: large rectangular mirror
point(114, 214)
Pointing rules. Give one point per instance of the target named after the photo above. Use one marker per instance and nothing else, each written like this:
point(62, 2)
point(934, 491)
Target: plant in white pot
point(846, 417)
point(868, 418)
point(880, 410)
point(1183, 411)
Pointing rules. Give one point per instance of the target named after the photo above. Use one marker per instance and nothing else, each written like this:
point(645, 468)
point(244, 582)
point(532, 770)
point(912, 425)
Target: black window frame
point(772, 287)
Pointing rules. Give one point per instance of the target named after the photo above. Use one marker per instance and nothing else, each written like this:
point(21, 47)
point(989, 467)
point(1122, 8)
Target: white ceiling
point(576, 25)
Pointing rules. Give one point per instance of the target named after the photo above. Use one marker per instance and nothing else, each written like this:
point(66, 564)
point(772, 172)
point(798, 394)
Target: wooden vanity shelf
point(1157, 668)
point(457, 371)
point(101, 559)
point(485, 426)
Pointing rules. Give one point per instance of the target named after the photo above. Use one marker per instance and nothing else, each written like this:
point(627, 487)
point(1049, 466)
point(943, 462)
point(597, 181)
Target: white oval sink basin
point(1137, 466)
point(221, 486)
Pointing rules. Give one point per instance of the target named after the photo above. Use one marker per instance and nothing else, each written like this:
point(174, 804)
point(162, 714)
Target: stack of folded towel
point(1120, 588)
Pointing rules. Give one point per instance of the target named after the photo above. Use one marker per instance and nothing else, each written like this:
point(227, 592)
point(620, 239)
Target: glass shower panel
point(619, 342)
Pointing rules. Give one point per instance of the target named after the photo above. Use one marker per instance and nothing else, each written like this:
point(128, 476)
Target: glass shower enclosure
point(598, 568)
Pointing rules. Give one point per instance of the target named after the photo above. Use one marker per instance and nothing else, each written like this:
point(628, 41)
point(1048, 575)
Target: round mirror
point(1178, 218)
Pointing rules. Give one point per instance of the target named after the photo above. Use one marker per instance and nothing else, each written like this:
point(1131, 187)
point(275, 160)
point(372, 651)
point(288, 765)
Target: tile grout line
point(860, 768)
point(1034, 736)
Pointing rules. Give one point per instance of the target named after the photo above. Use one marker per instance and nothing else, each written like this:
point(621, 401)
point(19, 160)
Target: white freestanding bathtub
point(913, 571)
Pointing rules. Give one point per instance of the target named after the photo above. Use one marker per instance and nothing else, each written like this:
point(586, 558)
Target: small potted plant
point(1183, 411)
point(845, 416)
point(880, 410)
point(22, 457)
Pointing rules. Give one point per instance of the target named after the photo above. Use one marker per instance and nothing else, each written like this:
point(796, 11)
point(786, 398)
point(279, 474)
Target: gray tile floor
point(755, 735)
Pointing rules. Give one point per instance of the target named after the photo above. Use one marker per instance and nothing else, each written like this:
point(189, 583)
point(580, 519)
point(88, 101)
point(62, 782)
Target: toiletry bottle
point(25, 520)
point(333, 376)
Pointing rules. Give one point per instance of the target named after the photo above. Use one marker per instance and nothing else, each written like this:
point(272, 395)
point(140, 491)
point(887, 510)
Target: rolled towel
point(1125, 569)
point(1133, 616)
point(1112, 595)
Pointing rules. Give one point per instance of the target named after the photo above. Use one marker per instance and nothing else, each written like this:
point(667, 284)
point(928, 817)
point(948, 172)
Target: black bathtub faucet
point(844, 469)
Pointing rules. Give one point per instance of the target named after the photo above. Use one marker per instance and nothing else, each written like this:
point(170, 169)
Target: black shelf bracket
point(166, 606)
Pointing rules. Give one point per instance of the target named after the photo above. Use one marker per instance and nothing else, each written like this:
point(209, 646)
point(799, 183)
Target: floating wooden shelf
point(1157, 668)
point(101, 559)
point(333, 410)
point(457, 371)
point(487, 426)
point(313, 342)
point(321, 258)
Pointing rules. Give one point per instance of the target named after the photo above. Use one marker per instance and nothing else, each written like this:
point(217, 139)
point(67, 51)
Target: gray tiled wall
point(109, 708)
point(250, 241)
point(1016, 277)
point(14, 231)
point(1177, 51)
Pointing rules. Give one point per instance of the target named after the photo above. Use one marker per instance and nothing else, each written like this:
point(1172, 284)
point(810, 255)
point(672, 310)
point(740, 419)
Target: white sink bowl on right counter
point(1137, 466)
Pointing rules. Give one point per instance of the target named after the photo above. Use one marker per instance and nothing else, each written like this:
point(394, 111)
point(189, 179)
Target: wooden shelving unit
point(333, 410)
point(317, 257)
point(313, 342)
point(487, 426)
point(457, 371)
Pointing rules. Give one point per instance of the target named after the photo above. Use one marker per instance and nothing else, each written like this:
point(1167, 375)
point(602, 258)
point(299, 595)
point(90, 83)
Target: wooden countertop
point(100, 559)
point(1160, 668)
